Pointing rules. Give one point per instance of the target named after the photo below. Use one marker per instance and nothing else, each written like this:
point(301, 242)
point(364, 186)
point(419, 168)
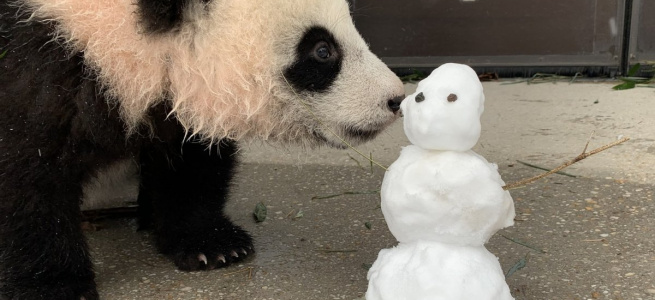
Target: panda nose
point(394, 103)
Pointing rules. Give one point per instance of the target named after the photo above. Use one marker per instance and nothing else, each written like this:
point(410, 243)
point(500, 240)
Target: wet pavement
point(585, 237)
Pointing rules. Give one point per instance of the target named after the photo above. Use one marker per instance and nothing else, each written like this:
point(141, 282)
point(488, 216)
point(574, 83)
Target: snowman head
point(444, 112)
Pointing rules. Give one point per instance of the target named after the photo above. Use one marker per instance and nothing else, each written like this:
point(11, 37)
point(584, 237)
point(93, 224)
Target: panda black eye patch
point(318, 61)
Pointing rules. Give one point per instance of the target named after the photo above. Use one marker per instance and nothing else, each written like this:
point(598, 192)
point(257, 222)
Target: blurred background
point(514, 38)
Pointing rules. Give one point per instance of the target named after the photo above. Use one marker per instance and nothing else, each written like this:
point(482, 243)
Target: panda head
point(281, 70)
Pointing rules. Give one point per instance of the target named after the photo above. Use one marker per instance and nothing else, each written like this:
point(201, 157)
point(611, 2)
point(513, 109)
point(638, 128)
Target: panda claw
point(244, 251)
point(221, 258)
point(202, 258)
point(234, 254)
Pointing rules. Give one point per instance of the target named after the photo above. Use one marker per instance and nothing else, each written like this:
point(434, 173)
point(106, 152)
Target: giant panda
point(173, 85)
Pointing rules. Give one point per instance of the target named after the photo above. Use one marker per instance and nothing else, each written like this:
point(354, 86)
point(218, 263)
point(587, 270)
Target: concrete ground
point(597, 231)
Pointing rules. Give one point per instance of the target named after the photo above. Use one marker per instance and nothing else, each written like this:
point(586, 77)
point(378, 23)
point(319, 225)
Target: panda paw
point(217, 250)
point(199, 261)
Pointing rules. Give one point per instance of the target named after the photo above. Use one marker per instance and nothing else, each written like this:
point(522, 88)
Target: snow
point(425, 270)
point(438, 124)
point(441, 200)
point(444, 196)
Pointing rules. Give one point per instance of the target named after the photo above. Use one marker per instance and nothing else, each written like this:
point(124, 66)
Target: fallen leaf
point(299, 215)
point(625, 86)
point(368, 225)
point(260, 212)
point(519, 265)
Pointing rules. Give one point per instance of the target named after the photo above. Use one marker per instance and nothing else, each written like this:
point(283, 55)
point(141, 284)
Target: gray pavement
point(596, 230)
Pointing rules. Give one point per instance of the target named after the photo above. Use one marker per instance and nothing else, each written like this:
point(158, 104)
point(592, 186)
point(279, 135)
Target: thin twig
point(371, 160)
point(335, 251)
point(578, 74)
point(524, 244)
point(545, 169)
point(588, 141)
point(249, 269)
point(356, 161)
point(578, 158)
point(346, 193)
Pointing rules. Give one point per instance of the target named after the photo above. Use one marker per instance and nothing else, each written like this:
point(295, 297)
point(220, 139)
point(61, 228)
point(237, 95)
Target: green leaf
point(634, 69)
point(260, 212)
point(625, 86)
point(299, 215)
point(519, 265)
point(415, 76)
point(368, 225)
point(3, 53)
point(635, 79)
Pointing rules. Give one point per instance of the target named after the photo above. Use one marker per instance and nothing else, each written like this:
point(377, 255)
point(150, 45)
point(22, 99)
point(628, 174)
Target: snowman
point(441, 200)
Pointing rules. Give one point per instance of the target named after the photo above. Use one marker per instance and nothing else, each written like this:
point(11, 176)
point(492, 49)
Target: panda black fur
point(172, 85)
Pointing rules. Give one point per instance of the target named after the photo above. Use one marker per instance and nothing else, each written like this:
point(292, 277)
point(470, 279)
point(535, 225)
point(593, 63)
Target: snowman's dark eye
point(419, 98)
point(452, 98)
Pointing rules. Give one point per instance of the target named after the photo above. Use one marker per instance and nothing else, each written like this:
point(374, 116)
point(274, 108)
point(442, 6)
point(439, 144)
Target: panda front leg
point(187, 192)
point(43, 252)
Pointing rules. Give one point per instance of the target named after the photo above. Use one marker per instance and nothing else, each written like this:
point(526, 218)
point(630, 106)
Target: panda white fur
point(173, 85)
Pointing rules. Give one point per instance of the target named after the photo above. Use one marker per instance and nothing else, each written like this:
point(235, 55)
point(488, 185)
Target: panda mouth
point(350, 135)
point(361, 134)
point(321, 138)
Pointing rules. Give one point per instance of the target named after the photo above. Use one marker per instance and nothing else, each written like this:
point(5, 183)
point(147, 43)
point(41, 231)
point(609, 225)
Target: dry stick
point(545, 169)
point(335, 251)
point(249, 269)
point(580, 157)
point(588, 141)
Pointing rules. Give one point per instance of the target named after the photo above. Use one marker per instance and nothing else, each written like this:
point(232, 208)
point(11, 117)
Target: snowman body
point(441, 200)
point(427, 270)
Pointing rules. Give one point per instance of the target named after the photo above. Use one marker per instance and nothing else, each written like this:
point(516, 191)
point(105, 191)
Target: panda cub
point(172, 85)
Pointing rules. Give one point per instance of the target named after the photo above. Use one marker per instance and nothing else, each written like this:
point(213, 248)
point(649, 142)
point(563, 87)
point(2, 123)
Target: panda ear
point(161, 16)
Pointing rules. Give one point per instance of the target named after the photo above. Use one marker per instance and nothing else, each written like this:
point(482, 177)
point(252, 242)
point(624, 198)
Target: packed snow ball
point(450, 196)
point(444, 112)
point(425, 270)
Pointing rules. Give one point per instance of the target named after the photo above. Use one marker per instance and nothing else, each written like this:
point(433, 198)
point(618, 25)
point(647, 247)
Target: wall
point(506, 33)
